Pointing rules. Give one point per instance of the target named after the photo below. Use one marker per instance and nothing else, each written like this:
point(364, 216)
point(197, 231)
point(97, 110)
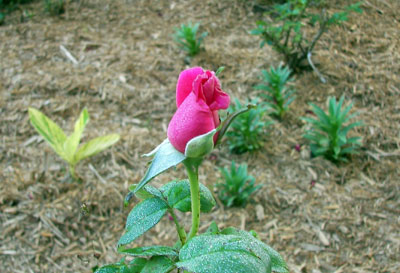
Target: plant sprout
point(187, 38)
point(278, 96)
point(248, 129)
point(67, 146)
point(328, 133)
point(237, 186)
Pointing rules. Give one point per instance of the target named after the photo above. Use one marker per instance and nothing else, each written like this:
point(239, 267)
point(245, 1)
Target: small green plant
point(5, 8)
point(237, 186)
point(187, 38)
point(54, 7)
point(284, 30)
point(279, 96)
point(328, 133)
point(67, 147)
point(8, 6)
point(247, 130)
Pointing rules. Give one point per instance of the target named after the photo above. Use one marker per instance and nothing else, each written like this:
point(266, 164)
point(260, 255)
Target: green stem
point(179, 228)
point(192, 170)
point(72, 171)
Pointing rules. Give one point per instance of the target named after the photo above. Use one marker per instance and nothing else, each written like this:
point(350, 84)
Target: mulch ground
point(126, 72)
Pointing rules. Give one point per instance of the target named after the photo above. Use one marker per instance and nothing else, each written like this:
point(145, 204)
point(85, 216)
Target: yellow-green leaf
point(50, 131)
point(95, 146)
point(72, 142)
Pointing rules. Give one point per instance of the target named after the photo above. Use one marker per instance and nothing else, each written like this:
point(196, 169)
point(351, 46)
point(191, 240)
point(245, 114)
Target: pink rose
point(198, 98)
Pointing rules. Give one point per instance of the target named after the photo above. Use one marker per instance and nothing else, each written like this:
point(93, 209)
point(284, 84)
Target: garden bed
point(320, 216)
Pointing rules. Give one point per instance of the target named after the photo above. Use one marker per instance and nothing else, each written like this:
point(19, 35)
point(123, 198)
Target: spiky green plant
point(278, 96)
point(54, 7)
point(237, 186)
point(188, 39)
point(328, 133)
point(248, 129)
point(8, 6)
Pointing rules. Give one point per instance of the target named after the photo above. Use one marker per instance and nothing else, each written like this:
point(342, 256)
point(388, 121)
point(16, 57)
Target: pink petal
point(193, 118)
point(216, 123)
point(209, 84)
point(185, 83)
point(208, 88)
point(221, 100)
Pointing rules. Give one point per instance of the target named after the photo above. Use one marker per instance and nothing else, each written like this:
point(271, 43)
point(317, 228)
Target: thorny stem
point(179, 228)
point(192, 167)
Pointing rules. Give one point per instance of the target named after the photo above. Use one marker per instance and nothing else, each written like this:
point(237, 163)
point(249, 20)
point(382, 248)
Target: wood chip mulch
point(117, 58)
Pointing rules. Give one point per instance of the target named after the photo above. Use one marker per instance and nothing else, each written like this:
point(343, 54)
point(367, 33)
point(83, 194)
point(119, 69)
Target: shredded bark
point(118, 59)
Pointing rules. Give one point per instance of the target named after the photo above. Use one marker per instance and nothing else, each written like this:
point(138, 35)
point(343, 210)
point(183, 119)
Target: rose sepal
point(166, 156)
point(200, 146)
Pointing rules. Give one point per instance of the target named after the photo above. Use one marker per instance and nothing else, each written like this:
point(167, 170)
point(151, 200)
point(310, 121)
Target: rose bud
point(198, 98)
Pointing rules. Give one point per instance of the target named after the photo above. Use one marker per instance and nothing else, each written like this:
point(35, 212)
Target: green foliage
point(8, 6)
point(135, 266)
point(54, 7)
point(187, 38)
point(204, 254)
point(218, 251)
point(284, 29)
point(173, 195)
point(148, 251)
point(177, 194)
point(278, 96)
point(328, 133)
point(277, 263)
point(229, 250)
point(67, 147)
point(237, 186)
point(143, 217)
point(165, 157)
point(156, 264)
point(247, 130)
point(214, 251)
point(227, 121)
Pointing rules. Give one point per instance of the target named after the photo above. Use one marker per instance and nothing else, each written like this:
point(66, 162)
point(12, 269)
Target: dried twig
point(322, 79)
point(68, 55)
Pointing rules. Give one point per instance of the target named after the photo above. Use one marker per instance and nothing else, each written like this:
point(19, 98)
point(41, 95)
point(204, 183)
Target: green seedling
point(187, 38)
point(237, 186)
point(328, 133)
point(8, 6)
point(54, 7)
point(248, 129)
point(67, 146)
point(278, 96)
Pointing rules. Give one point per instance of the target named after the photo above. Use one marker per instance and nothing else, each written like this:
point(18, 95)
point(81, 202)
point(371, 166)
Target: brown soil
point(127, 69)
